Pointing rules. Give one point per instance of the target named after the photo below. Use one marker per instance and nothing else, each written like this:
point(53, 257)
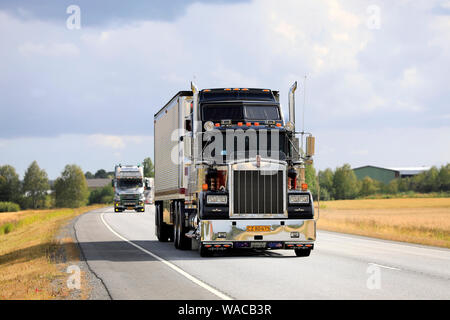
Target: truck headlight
point(216, 199)
point(289, 126)
point(209, 125)
point(298, 198)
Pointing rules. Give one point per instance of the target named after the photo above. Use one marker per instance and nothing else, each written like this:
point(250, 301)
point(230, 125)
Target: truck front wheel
point(181, 241)
point(302, 252)
point(162, 232)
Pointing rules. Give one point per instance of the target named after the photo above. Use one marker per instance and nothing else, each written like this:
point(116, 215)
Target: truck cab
point(128, 186)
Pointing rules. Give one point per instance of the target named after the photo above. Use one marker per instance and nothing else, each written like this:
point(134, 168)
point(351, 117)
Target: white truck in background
point(128, 186)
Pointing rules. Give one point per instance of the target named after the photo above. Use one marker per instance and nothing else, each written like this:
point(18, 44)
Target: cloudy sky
point(377, 88)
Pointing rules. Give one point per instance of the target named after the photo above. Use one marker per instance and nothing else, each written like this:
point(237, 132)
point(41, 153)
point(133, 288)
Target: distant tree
point(324, 194)
point(430, 182)
point(110, 174)
point(311, 179)
point(35, 186)
point(89, 175)
point(149, 170)
point(71, 188)
point(326, 183)
point(368, 187)
point(444, 178)
point(345, 183)
point(103, 195)
point(101, 174)
point(10, 189)
point(404, 184)
point(392, 186)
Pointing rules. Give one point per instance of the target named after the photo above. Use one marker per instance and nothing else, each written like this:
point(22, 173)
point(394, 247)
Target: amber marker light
point(239, 124)
point(205, 186)
point(248, 124)
point(304, 186)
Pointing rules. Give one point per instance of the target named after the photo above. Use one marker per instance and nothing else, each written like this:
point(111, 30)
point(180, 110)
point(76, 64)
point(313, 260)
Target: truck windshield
point(129, 183)
point(239, 112)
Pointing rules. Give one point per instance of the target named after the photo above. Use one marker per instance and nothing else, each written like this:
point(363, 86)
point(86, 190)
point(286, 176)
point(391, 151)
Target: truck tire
point(302, 252)
point(204, 252)
point(162, 232)
point(181, 242)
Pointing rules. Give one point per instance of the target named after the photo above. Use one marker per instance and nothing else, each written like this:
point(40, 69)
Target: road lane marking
point(392, 244)
point(169, 264)
point(386, 267)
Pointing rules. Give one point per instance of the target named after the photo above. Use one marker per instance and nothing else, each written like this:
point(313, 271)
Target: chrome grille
point(129, 196)
point(257, 192)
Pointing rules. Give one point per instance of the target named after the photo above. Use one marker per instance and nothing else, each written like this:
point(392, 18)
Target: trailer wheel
point(162, 232)
point(302, 252)
point(181, 242)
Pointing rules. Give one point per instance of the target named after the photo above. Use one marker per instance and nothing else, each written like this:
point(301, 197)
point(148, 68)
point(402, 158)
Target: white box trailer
point(249, 190)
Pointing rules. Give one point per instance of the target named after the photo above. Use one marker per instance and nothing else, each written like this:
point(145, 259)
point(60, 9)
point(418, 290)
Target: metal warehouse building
point(385, 175)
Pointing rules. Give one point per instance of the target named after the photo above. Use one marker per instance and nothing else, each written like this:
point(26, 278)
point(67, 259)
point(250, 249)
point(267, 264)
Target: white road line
point(171, 265)
point(386, 267)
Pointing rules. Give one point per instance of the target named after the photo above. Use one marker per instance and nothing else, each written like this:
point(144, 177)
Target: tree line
point(69, 190)
point(342, 183)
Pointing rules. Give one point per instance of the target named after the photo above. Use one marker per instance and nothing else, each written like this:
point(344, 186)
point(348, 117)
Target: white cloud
point(359, 80)
point(51, 50)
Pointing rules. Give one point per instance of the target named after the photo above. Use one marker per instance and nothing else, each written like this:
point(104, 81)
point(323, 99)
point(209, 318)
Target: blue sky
point(376, 93)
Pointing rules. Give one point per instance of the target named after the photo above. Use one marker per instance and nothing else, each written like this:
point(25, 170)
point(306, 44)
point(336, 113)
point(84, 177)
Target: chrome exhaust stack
point(292, 103)
point(195, 121)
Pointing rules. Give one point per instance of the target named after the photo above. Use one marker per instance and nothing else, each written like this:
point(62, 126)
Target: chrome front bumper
point(281, 230)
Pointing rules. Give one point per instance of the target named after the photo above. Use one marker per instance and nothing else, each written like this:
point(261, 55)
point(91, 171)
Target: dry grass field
point(32, 261)
point(416, 220)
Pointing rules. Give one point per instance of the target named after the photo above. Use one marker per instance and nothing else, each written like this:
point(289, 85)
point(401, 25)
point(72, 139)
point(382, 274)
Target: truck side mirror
point(112, 183)
point(310, 146)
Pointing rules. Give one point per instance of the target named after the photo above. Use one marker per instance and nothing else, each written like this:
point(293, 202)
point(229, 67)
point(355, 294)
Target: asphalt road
point(122, 250)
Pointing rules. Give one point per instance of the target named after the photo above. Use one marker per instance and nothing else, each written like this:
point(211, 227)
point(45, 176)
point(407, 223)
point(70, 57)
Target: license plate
point(258, 245)
point(258, 228)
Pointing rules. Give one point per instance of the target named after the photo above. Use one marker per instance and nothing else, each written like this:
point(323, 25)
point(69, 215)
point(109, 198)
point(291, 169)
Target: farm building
point(98, 183)
point(385, 175)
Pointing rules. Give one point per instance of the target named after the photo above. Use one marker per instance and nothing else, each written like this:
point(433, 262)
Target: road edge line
point(169, 264)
